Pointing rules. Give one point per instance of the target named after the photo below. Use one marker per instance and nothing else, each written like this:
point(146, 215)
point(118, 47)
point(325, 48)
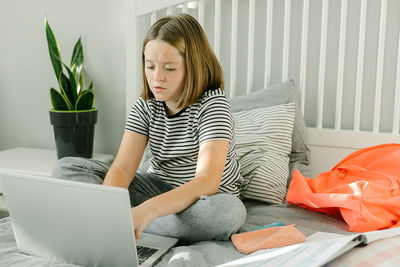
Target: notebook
point(75, 222)
point(319, 249)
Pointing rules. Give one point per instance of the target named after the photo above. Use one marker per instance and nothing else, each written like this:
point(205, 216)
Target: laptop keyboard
point(144, 253)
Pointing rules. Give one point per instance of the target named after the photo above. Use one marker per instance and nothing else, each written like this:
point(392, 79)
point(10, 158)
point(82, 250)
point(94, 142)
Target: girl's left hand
point(140, 219)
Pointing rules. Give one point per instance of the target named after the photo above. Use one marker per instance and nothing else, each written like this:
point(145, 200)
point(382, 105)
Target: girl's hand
point(140, 219)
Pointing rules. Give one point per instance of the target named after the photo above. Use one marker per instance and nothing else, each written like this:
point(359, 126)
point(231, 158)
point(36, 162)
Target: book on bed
point(318, 249)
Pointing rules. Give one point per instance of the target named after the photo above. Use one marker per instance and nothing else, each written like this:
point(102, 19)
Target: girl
point(191, 188)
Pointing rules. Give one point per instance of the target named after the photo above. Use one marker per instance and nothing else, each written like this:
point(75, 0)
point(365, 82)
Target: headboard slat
point(217, 29)
point(169, 11)
point(396, 115)
point(304, 52)
point(153, 17)
point(360, 65)
point(341, 66)
point(286, 40)
point(379, 72)
point(268, 44)
point(250, 43)
point(322, 62)
point(201, 13)
point(234, 36)
point(185, 8)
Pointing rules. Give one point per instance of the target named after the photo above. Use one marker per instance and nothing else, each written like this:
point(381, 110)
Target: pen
point(269, 226)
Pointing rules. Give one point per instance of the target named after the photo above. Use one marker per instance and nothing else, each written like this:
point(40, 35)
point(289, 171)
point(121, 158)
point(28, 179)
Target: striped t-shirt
point(175, 140)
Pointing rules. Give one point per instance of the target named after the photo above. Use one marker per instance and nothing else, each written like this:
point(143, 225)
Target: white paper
point(381, 234)
point(317, 250)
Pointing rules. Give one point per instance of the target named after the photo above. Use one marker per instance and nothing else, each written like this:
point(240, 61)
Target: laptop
point(75, 222)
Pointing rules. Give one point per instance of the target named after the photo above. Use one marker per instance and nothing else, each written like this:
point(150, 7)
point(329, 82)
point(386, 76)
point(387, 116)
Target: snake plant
point(72, 95)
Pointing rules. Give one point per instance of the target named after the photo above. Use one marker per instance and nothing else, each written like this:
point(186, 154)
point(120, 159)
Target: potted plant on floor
point(72, 115)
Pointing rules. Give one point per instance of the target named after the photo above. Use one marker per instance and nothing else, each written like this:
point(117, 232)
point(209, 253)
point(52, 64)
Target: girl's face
point(165, 73)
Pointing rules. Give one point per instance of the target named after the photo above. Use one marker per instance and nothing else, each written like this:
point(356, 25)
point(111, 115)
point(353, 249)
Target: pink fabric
point(273, 237)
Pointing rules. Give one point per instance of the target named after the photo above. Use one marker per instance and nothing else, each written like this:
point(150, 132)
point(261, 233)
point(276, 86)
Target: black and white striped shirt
point(175, 140)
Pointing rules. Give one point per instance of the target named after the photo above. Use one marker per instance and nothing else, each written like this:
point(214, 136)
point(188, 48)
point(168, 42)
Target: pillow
point(263, 139)
point(282, 93)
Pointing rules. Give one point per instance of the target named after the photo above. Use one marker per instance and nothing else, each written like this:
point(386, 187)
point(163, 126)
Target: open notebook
point(319, 249)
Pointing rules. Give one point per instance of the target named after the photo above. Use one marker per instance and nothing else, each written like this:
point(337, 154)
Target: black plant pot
point(74, 132)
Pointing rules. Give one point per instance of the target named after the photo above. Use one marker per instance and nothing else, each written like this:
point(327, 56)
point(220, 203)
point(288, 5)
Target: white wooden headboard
point(344, 56)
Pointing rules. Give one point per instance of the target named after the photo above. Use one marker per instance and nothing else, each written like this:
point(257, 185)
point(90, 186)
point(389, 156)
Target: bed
point(331, 69)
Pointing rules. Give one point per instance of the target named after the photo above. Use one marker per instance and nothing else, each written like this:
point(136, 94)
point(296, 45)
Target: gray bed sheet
point(208, 253)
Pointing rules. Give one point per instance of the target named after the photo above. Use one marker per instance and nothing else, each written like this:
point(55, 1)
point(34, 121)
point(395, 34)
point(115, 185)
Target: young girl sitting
point(191, 188)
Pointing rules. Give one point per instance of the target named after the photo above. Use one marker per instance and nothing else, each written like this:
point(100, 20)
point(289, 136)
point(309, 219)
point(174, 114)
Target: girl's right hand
point(140, 219)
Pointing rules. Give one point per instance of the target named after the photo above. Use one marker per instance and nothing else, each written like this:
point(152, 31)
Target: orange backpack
point(363, 188)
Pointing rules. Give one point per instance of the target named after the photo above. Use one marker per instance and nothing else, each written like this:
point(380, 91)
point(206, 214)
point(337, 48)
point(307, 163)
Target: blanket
point(207, 253)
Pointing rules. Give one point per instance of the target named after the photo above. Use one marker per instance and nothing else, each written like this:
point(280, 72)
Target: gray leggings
point(214, 217)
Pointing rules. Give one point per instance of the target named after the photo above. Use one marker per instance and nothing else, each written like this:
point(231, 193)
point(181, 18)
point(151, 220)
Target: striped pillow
point(263, 143)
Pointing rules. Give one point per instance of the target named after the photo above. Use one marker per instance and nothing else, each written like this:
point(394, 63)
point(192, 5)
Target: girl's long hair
point(203, 71)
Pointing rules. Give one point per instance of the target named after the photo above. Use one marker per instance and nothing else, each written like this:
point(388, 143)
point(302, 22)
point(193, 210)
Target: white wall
point(26, 72)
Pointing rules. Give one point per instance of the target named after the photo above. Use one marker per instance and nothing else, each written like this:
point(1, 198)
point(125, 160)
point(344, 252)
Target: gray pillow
point(282, 93)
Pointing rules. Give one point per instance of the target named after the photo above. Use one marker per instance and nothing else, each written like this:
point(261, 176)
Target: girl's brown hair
point(203, 71)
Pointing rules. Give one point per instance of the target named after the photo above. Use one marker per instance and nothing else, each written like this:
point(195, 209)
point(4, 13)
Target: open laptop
point(75, 222)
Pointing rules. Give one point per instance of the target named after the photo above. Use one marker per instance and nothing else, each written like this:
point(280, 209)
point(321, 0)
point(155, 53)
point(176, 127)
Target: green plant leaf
point(77, 64)
point(67, 87)
point(73, 86)
point(77, 57)
point(76, 75)
point(66, 90)
point(81, 81)
point(85, 100)
point(54, 50)
point(58, 100)
point(90, 86)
